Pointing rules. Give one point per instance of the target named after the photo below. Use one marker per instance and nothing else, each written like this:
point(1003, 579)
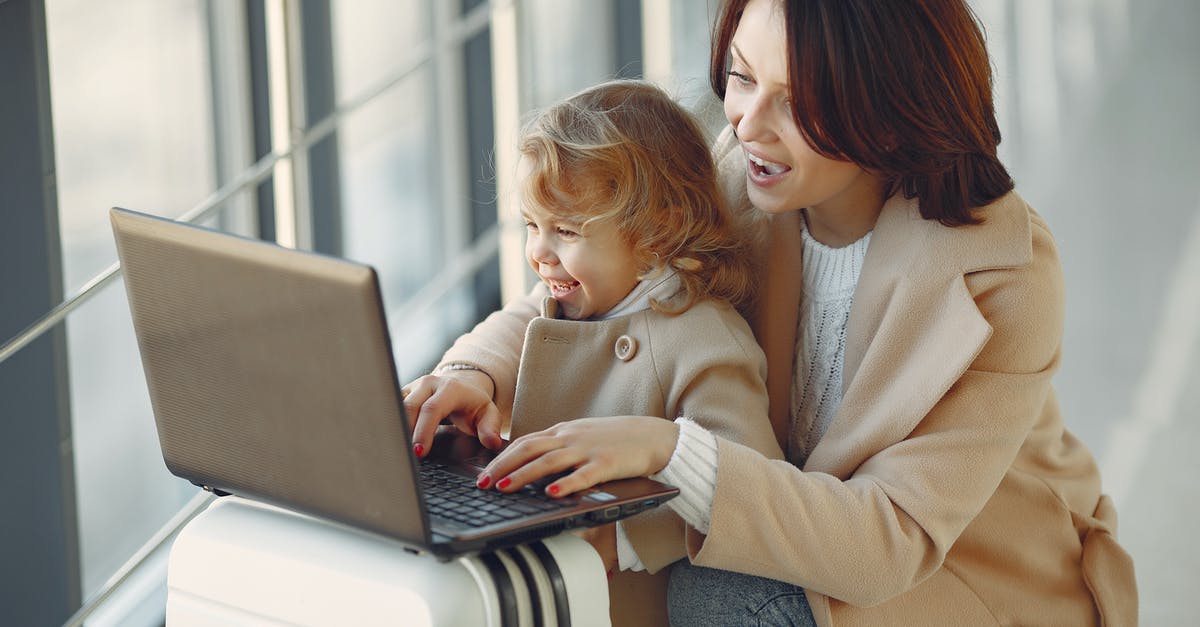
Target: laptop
point(271, 376)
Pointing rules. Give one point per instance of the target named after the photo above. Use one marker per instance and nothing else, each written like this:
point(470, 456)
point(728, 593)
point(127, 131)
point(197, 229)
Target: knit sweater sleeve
point(692, 469)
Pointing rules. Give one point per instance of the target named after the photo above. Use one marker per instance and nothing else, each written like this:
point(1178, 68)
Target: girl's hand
point(461, 396)
point(591, 450)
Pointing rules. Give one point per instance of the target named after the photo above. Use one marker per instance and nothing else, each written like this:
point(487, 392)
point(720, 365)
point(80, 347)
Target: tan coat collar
point(913, 330)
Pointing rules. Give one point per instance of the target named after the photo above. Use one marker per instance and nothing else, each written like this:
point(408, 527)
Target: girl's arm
point(475, 381)
point(494, 346)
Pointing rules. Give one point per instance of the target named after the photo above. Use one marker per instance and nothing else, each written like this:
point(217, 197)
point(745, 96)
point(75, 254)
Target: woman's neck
point(847, 219)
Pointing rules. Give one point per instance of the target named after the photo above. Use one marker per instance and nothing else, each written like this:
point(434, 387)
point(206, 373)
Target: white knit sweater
point(830, 276)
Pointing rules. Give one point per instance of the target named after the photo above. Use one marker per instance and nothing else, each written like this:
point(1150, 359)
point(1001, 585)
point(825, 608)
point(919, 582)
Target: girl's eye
point(567, 233)
point(530, 225)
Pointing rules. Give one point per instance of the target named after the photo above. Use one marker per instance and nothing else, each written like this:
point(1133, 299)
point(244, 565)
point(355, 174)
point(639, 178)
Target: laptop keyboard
point(454, 500)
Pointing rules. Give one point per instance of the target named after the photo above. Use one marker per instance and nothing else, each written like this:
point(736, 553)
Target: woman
point(911, 312)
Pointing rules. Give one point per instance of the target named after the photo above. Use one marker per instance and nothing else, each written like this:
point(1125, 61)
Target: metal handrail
point(160, 538)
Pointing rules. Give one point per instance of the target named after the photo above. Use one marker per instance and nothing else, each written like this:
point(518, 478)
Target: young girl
point(911, 312)
point(639, 269)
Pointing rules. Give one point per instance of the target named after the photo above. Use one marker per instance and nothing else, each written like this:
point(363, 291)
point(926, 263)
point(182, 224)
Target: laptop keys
point(455, 499)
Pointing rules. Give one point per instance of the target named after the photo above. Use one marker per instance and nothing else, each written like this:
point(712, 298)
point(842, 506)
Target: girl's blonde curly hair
point(625, 152)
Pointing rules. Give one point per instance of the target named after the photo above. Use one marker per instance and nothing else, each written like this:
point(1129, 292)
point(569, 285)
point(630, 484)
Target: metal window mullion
point(508, 97)
point(290, 183)
point(449, 149)
point(657, 61)
point(323, 199)
point(229, 62)
point(39, 536)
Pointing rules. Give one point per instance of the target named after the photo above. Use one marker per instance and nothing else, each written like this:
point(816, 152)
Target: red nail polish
point(504, 483)
point(483, 482)
point(553, 489)
point(418, 449)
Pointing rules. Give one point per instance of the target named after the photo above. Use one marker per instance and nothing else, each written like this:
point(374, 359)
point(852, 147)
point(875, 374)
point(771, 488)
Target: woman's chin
point(768, 202)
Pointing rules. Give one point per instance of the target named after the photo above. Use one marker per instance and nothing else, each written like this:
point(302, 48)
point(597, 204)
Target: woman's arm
point(888, 522)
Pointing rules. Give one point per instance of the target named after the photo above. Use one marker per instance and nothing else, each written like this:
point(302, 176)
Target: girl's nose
point(539, 251)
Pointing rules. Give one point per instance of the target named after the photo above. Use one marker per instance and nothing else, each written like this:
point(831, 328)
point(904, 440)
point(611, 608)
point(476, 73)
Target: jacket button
point(625, 348)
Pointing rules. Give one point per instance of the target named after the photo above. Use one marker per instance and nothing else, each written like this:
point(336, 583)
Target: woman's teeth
point(767, 167)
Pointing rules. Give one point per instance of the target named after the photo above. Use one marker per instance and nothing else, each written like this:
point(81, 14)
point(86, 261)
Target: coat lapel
point(914, 328)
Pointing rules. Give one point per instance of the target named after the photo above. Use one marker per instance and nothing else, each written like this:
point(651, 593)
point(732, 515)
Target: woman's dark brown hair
point(902, 88)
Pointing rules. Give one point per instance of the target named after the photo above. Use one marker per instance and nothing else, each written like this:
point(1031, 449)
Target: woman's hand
point(590, 450)
point(460, 395)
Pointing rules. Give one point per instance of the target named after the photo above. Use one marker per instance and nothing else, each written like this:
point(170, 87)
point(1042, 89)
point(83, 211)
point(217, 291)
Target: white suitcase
point(245, 563)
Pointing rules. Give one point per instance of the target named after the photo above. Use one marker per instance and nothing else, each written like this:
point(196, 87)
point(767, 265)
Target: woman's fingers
point(527, 459)
point(586, 451)
point(581, 478)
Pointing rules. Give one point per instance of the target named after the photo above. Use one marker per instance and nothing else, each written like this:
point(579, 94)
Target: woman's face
point(783, 172)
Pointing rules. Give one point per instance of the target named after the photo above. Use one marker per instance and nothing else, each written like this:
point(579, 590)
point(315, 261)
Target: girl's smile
point(560, 289)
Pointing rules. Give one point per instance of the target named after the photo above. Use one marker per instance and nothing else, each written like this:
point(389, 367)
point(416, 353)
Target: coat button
point(625, 348)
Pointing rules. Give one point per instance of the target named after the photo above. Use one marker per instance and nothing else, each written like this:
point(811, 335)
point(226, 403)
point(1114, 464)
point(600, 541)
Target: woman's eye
point(739, 77)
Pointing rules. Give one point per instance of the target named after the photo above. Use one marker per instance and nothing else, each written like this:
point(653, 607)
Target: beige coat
point(703, 364)
point(947, 490)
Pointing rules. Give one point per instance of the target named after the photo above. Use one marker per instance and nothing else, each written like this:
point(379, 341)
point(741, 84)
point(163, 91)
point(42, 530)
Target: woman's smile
point(762, 171)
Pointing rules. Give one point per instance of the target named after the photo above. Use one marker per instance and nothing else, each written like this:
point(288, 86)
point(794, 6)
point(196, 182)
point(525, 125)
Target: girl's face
point(588, 269)
point(783, 172)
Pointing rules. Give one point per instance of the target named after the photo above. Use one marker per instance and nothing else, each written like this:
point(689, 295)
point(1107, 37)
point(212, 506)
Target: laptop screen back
point(254, 368)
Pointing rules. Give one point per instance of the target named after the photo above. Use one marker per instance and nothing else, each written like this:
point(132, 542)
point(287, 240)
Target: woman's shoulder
point(1012, 225)
point(1008, 235)
point(1023, 301)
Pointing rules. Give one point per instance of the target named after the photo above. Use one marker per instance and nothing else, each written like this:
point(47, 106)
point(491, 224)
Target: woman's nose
point(751, 119)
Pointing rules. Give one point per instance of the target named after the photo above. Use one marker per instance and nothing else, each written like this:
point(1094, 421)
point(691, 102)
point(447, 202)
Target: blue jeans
point(699, 596)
